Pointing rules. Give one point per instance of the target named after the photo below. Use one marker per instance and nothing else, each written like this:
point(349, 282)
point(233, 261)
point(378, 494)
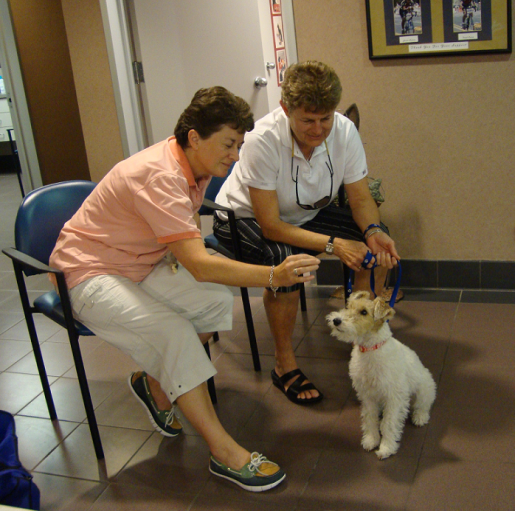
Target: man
point(290, 169)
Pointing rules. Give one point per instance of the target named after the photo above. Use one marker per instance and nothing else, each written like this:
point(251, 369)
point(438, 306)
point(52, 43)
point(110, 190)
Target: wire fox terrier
point(384, 372)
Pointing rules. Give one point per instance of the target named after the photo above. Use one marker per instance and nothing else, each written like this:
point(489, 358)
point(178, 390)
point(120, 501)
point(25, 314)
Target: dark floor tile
point(319, 343)
point(125, 497)
point(293, 424)
point(485, 333)
point(298, 463)
point(458, 485)
point(473, 417)
point(177, 464)
point(358, 481)
point(425, 327)
point(346, 434)
point(221, 502)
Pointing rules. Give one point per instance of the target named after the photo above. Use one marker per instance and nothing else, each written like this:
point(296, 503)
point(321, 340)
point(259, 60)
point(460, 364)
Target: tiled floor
point(463, 460)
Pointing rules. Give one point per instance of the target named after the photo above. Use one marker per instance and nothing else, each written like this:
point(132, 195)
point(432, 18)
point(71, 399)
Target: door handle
point(260, 82)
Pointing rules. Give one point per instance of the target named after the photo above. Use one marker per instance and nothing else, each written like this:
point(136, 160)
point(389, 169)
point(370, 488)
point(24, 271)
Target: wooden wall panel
point(49, 86)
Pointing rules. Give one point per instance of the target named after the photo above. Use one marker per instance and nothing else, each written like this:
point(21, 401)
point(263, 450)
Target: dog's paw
point(370, 442)
point(420, 418)
point(385, 450)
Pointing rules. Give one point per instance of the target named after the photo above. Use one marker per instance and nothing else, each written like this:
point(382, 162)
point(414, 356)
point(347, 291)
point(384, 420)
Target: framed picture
point(277, 23)
point(275, 6)
point(417, 28)
point(281, 64)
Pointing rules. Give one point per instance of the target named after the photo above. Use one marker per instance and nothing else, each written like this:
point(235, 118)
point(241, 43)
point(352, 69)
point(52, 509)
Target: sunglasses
point(324, 201)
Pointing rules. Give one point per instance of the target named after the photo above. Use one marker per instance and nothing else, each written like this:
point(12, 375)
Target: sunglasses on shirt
point(324, 201)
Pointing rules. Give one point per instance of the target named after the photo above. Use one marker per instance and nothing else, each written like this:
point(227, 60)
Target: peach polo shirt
point(143, 203)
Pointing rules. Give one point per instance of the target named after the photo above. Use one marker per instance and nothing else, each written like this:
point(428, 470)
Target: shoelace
point(170, 416)
point(256, 460)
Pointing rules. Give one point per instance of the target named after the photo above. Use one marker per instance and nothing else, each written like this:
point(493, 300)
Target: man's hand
point(383, 247)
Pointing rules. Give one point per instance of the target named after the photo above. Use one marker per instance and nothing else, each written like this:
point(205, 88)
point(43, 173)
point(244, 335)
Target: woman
point(123, 287)
point(291, 167)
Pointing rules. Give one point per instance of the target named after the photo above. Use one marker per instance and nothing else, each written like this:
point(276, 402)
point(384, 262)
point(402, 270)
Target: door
point(17, 101)
point(200, 43)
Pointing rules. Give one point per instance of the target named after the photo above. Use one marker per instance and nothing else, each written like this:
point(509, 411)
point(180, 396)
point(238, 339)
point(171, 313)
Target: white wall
point(201, 43)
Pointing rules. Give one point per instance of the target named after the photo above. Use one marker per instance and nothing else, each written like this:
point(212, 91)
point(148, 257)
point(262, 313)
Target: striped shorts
point(256, 249)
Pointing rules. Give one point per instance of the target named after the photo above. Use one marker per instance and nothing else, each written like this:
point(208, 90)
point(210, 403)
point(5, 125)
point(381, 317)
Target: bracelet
point(370, 227)
point(371, 233)
point(272, 287)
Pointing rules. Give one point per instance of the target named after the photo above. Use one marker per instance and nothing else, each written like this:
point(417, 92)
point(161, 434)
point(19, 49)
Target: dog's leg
point(424, 398)
point(370, 425)
point(392, 424)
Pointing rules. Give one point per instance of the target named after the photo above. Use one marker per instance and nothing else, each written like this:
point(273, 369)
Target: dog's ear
point(359, 294)
point(382, 311)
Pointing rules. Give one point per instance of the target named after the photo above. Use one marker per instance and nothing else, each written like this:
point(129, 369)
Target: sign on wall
point(416, 28)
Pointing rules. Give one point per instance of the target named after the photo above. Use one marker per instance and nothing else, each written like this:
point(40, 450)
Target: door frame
point(116, 27)
point(15, 92)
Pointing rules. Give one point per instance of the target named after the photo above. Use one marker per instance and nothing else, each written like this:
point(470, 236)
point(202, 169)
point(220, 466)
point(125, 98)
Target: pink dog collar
point(363, 349)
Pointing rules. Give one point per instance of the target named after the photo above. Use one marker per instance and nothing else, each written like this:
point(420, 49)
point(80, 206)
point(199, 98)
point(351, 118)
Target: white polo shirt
point(266, 163)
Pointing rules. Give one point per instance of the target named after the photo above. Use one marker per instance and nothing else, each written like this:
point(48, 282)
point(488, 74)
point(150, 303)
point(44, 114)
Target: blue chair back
point(43, 213)
point(213, 189)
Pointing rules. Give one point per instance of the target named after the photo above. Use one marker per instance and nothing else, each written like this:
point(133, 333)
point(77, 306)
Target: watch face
point(329, 248)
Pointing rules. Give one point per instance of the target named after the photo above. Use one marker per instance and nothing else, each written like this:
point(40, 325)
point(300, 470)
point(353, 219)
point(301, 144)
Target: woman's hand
point(295, 269)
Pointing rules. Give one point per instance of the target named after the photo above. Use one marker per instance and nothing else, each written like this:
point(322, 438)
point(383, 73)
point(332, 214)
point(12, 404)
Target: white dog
point(385, 373)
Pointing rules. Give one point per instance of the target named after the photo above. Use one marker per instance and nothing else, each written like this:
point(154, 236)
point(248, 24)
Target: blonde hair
point(312, 85)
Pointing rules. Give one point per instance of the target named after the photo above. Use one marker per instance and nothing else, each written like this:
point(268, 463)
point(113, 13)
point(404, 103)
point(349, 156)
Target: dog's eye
point(364, 312)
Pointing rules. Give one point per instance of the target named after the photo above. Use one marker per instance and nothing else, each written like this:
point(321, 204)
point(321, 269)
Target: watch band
point(329, 248)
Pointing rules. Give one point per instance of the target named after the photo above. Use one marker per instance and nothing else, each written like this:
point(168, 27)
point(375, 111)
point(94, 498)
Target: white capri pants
point(156, 321)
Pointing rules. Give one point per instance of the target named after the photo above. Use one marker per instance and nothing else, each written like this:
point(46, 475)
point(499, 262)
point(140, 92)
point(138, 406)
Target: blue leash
point(364, 264)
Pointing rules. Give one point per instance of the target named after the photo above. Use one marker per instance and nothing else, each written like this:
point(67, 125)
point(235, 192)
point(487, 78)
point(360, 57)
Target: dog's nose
point(337, 321)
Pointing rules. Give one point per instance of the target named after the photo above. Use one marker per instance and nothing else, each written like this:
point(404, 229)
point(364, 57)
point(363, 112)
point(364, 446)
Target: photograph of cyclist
point(467, 17)
point(407, 17)
point(466, 7)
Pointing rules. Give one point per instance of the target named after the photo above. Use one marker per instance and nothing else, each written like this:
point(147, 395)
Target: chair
point(210, 241)
point(40, 218)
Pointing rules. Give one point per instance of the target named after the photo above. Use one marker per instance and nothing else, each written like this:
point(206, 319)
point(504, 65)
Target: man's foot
point(387, 294)
point(296, 387)
point(163, 421)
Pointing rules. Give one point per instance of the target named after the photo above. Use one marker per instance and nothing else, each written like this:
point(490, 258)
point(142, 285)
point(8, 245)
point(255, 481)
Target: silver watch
point(329, 248)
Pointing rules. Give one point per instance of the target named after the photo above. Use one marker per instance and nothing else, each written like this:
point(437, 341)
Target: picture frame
point(425, 28)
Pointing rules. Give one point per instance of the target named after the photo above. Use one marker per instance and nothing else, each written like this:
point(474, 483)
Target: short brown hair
point(312, 85)
point(209, 111)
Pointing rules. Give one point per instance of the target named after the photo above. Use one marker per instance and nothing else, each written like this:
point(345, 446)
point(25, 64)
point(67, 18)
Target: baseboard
point(492, 275)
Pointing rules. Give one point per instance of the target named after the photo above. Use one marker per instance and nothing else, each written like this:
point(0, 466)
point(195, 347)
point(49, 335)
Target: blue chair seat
point(210, 241)
point(50, 305)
